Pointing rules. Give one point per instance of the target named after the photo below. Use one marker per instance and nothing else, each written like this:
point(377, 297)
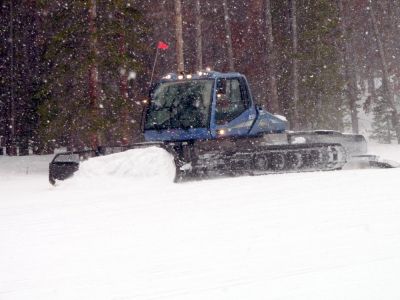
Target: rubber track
point(267, 160)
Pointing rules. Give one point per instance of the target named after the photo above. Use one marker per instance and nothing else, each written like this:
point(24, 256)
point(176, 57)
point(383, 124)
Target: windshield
point(182, 104)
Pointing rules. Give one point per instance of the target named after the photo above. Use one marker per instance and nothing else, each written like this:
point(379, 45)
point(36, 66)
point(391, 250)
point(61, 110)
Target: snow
point(280, 117)
point(389, 152)
point(112, 235)
point(299, 140)
point(152, 163)
point(26, 165)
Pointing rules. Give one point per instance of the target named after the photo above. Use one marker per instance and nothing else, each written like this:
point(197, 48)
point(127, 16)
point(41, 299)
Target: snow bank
point(388, 152)
point(24, 165)
point(302, 236)
point(151, 163)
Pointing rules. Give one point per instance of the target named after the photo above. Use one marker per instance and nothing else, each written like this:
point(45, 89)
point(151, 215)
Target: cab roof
point(199, 75)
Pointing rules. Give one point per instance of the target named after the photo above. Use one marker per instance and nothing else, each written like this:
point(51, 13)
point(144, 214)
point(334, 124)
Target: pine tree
point(19, 73)
point(75, 107)
point(386, 82)
point(273, 102)
point(199, 38)
point(349, 66)
point(382, 127)
point(228, 34)
point(179, 36)
point(320, 81)
point(295, 65)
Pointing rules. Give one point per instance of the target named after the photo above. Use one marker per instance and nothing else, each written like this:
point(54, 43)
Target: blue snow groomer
point(210, 124)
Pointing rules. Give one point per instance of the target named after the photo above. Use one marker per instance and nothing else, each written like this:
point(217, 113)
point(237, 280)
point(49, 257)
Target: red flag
point(163, 46)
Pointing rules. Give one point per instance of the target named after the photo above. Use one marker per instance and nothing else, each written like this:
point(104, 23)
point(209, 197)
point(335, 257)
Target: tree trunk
point(123, 86)
point(385, 78)
point(29, 71)
point(179, 38)
point(123, 82)
point(348, 65)
point(295, 72)
point(272, 102)
point(199, 42)
point(93, 73)
point(228, 35)
point(11, 144)
point(371, 90)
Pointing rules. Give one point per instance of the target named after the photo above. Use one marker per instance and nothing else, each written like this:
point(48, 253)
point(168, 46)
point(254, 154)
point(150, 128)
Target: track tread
point(269, 160)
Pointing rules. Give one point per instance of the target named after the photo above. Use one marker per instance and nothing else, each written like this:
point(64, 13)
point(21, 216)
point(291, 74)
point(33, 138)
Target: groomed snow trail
point(330, 235)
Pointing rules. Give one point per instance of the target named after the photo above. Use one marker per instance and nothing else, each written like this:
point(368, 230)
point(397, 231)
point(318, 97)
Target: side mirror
point(151, 90)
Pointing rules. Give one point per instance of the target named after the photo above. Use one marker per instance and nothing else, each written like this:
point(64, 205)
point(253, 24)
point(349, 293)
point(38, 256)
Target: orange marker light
point(221, 131)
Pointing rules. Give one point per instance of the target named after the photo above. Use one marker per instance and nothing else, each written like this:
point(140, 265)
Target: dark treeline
point(73, 73)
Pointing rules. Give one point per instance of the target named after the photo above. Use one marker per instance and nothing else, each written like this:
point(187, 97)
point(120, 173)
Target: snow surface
point(152, 163)
point(323, 235)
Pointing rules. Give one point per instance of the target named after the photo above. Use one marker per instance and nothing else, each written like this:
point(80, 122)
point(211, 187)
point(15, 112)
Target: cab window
point(232, 100)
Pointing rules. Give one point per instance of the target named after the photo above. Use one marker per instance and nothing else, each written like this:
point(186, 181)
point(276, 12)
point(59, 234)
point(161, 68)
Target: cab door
point(233, 114)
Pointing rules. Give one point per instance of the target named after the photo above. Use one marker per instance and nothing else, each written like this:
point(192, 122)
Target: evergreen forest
point(74, 73)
